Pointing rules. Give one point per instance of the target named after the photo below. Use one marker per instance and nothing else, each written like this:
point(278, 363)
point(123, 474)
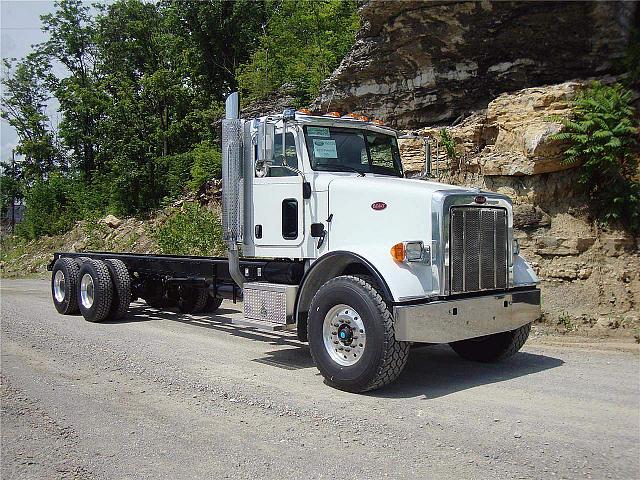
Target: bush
point(207, 164)
point(193, 230)
point(52, 206)
point(602, 137)
point(188, 170)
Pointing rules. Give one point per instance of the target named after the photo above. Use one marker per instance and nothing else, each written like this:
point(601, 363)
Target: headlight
point(414, 251)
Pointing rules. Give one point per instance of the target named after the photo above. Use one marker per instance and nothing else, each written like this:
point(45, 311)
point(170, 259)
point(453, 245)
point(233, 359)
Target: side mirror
point(266, 141)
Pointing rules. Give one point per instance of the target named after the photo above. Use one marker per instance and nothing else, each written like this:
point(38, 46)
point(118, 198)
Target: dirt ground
point(163, 395)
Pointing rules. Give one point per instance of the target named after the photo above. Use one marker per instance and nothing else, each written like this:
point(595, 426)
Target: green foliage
point(448, 143)
point(190, 169)
point(193, 230)
point(24, 97)
point(53, 205)
point(11, 186)
point(207, 164)
point(565, 321)
point(304, 41)
point(602, 139)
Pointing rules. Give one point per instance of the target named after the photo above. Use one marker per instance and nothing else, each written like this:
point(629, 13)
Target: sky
point(20, 25)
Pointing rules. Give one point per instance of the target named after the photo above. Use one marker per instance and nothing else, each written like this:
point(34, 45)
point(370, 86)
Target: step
point(262, 325)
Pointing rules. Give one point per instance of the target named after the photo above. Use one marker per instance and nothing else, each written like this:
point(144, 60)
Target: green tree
point(24, 102)
point(213, 38)
point(10, 186)
point(602, 138)
point(304, 41)
point(71, 42)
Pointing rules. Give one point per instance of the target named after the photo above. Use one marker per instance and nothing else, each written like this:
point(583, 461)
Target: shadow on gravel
point(219, 321)
point(294, 358)
point(436, 371)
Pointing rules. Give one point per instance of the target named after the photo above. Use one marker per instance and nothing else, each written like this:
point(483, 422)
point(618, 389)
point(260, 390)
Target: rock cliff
point(419, 63)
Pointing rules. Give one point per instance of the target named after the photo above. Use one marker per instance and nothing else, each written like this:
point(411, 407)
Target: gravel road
point(163, 395)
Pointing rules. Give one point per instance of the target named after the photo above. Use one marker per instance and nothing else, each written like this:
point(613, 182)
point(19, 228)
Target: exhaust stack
point(232, 131)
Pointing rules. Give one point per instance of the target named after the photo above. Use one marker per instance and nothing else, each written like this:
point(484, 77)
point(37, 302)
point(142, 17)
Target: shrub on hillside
point(602, 135)
point(53, 205)
point(189, 170)
point(192, 230)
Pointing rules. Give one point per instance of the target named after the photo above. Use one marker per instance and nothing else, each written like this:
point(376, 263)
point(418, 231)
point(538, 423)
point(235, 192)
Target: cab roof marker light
point(305, 111)
point(375, 121)
point(332, 114)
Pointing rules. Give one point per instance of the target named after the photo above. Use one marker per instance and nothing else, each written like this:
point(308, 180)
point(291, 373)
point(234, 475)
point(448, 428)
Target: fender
point(332, 265)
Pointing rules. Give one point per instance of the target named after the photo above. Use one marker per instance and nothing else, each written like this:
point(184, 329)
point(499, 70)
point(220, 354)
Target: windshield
point(337, 149)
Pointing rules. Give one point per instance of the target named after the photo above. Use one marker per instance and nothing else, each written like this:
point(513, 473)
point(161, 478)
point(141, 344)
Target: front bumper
point(451, 320)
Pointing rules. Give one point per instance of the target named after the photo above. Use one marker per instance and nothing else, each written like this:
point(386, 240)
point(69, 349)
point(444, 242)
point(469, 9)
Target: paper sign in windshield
point(318, 132)
point(324, 148)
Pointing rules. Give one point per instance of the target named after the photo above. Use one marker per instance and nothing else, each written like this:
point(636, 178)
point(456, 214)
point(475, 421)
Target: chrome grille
point(478, 249)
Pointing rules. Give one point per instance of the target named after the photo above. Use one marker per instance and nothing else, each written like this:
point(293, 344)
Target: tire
point(213, 304)
point(64, 286)
point(121, 288)
point(492, 348)
point(95, 291)
point(192, 300)
point(355, 305)
point(155, 294)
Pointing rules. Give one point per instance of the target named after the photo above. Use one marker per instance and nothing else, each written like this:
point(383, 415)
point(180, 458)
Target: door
point(278, 206)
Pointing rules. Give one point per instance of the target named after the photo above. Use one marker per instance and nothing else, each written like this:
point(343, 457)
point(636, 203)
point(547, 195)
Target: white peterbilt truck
point(326, 237)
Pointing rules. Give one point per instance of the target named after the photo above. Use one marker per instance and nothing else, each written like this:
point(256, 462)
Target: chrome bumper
point(451, 320)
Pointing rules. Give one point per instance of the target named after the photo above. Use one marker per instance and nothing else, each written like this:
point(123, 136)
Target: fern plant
point(448, 143)
point(602, 137)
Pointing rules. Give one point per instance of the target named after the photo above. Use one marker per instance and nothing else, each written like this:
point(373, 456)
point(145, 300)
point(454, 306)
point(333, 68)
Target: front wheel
point(492, 348)
point(351, 337)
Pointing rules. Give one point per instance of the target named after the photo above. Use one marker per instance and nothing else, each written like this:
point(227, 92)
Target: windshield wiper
point(343, 168)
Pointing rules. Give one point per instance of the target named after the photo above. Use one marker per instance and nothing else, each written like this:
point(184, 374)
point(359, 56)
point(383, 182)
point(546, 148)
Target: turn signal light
point(414, 251)
point(332, 114)
point(397, 252)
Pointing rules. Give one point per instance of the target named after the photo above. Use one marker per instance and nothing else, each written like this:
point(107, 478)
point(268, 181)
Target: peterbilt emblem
point(378, 205)
point(480, 199)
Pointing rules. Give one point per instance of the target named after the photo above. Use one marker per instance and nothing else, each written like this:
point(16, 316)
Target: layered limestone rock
point(422, 63)
point(513, 136)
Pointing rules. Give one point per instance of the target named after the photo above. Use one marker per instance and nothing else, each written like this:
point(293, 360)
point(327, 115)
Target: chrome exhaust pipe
point(232, 151)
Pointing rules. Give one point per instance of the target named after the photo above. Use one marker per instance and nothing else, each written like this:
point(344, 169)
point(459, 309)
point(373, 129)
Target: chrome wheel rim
point(59, 286)
point(344, 335)
point(87, 291)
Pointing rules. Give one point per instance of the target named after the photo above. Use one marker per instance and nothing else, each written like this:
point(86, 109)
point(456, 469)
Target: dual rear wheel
point(99, 290)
